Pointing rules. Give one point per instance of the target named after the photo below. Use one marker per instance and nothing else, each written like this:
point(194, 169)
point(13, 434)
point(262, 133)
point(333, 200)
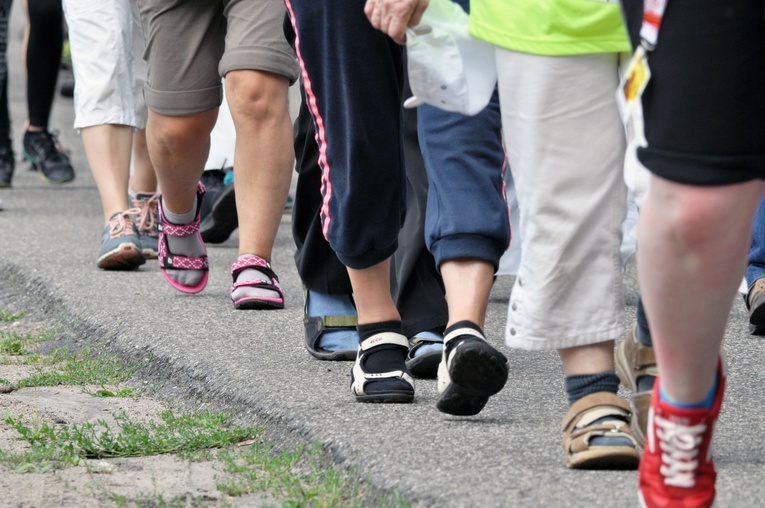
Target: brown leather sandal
point(601, 414)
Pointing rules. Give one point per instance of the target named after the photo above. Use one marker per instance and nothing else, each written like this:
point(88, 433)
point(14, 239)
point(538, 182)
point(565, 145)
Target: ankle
point(707, 403)
point(581, 385)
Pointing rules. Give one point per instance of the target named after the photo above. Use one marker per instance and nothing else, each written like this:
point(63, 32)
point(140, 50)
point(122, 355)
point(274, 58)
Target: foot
point(41, 149)
point(597, 435)
point(147, 221)
point(677, 467)
point(181, 252)
point(425, 351)
point(636, 368)
point(471, 371)
point(255, 285)
point(330, 326)
point(120, 249)
point(219, 215)
point(380, 374)
point(755, 302)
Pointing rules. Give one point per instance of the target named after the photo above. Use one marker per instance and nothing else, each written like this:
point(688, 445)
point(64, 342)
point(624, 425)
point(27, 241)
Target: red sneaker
point(676, 469)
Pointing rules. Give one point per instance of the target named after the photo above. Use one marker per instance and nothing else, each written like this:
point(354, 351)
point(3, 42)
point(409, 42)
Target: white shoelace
point(680, 449)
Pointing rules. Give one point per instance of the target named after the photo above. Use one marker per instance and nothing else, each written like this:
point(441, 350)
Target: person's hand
point(394, 16)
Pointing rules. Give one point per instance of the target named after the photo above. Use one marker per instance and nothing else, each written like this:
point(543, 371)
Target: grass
point(16, 344)
point(247, 465)
point(56, 446)
point(8, 316)
point(83, 367)
point(298, 478)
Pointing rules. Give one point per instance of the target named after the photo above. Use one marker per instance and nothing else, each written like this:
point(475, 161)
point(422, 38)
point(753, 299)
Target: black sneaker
point(219, 216)
point(7, 165)
point(40, 149)
point(471, 371)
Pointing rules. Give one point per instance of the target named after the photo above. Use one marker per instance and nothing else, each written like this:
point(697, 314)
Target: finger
point(419, 9)
point(372, 11)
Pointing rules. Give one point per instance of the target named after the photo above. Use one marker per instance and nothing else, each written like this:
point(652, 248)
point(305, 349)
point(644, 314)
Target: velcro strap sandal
point(396, 386)
point(424, 365)
point(315, 326)
point(256, 301)
point(599, 415)
point(168, 260)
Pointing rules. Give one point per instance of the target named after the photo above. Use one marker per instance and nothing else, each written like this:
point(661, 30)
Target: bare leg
point(264, 155)
point(107, 148)
point(178, 146)
point(591, 359)
point(371, 292)
point(691, 258)
point(144, 179)
point(468, 285)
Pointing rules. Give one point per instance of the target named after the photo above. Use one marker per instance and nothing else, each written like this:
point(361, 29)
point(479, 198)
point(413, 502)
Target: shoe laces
point(148, 214)
point(680, 448)
point(123, 223)
point(47, 146)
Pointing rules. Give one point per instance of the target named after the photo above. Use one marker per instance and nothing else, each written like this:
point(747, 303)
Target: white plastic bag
point(448, 68)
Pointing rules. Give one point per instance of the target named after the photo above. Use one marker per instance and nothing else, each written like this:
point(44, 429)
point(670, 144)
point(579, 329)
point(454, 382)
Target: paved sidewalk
point(508, 456)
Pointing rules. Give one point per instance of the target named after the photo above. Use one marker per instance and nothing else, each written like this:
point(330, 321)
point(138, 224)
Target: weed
point(8, 316)
point(80, 368)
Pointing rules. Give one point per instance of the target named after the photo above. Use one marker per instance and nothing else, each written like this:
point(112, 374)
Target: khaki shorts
point(107, 43)
point(565, 146)
point(191, 44)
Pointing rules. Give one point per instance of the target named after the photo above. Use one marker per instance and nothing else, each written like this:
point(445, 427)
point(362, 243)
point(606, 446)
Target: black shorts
point(704, 106)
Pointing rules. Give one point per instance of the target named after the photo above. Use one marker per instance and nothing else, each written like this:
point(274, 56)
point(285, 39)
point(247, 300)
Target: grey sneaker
point(121, 248)
point(147, 222)
point(42, 150)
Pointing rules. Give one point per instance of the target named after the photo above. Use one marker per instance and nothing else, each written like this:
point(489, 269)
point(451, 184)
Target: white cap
point(448, 68)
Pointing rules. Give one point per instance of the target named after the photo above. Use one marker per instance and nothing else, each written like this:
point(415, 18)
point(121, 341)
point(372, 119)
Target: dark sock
point(463, 324)
point(643, 332)
point(386, 357)
point(585, 384)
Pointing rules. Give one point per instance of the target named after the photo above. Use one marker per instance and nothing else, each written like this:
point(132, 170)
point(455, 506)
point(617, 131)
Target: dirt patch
point(108, 482)
point(159, 480)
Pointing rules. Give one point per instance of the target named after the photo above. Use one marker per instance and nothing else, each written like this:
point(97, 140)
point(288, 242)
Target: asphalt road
point(509, 455)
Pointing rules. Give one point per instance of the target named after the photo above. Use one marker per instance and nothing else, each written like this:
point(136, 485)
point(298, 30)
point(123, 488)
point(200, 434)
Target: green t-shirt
point(550, 27)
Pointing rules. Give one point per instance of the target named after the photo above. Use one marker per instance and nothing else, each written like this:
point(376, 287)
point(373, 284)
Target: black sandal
point(399, 384)
point(315, 326)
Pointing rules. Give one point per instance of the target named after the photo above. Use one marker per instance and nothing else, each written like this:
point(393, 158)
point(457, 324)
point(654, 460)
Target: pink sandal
point(256, 302)
point(178, 262)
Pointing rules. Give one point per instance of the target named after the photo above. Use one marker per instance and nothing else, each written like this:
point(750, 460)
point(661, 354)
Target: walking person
point(107, 45)
point(190, 45)
point(7, 158)
point(565, 147)
point(43, 42)
point(706, 152)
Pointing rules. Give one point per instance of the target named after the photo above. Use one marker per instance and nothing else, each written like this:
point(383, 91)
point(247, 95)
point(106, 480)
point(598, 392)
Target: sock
point(428, 347)
point(585, 384)
point(387, 357)
point(643, 332)
point(252, 291)
point(191, 246)
point(704, 404)
point(320, 304)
